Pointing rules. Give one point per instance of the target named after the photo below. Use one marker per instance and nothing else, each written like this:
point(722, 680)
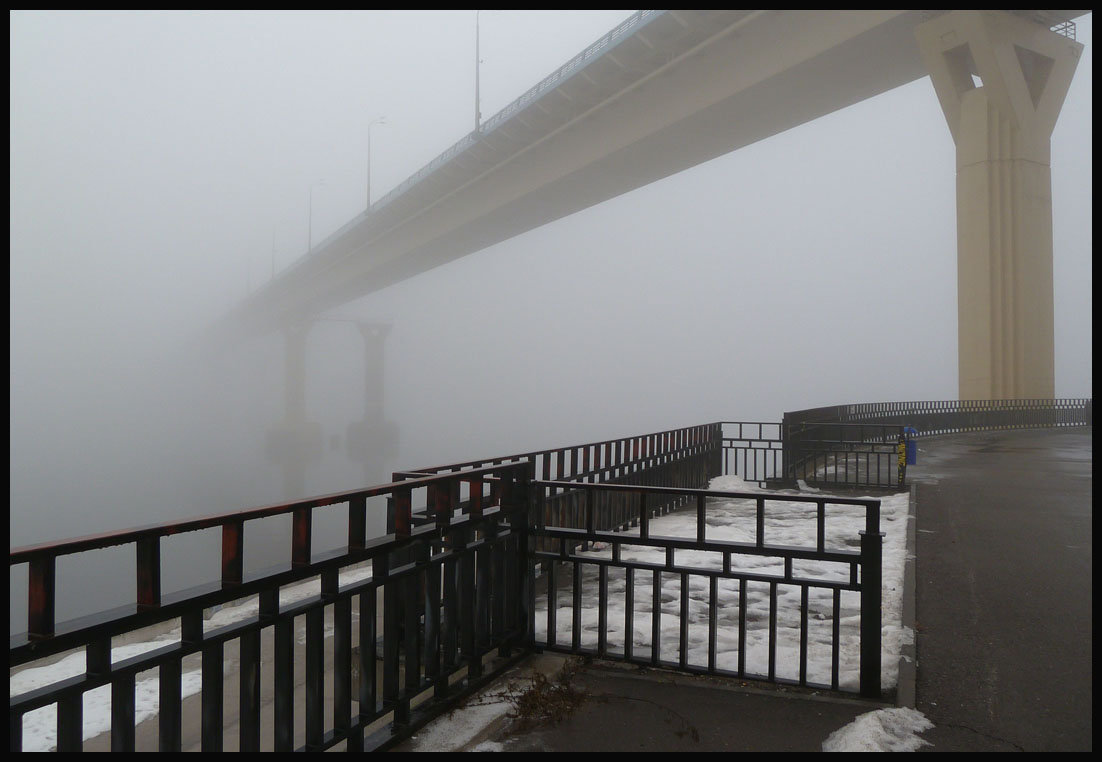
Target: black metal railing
point(566, 541)
point(779, 454)
point(845, 454)
point(931, 418)
point(684, 457)
point(753, 450)
point(456, 594)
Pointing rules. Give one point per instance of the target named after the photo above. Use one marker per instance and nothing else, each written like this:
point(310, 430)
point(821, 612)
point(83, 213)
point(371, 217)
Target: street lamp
point(477, 107)
point(380, 120)
point(310, 223)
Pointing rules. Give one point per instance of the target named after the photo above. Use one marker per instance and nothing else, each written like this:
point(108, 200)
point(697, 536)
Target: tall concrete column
point(297, 441)
point(373, 440)
point(1001, 81)
point(294, 374)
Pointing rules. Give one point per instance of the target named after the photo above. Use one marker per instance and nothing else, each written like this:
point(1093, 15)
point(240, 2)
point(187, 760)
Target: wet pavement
point(1004, 609)
point(1004, 626)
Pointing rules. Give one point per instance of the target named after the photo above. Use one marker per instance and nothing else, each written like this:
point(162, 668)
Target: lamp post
point(477, 105)
point(310, 222)
point(379, 120)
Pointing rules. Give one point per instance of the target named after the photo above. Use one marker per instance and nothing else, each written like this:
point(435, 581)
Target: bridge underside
point(687, 86)
point(702, 84)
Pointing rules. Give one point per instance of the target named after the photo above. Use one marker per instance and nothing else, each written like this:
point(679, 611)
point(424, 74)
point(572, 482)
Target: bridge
point(463, 526)
point(665, 91)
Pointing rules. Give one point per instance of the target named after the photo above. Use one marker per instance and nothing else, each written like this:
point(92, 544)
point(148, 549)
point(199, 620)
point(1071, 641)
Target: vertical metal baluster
point(656, 618)
point(148, 552)
point(499, 586)
point(41, 593)
point(169, 720)
point(871, 580)
point(701, 523)
point(483, 589)
point(342, 665)
point(760, 519)
point(552, 604)
point(315, 678)
point(212, 671)
point(772, 631)
point(741, 627)
point(70, 722)
point(233, 552)
point(368, 687)
point(357, 523)
point(683, 655)
point(629, 613)
point(713, 613)
point(411, 631)
point(576, 617)
point(15, 731)
point(449, 596)
point(433, 672)
point(467, 604)
point(820, 525)
point(803, 635)
point(301, 532)
point(249, 700)
point(358, 665)
point(284, 681)
point(391, 633)
point(834, 642)
point(602, 610)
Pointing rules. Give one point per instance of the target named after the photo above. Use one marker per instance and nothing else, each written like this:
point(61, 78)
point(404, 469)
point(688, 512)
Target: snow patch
point(892, 729)
point(454, 731)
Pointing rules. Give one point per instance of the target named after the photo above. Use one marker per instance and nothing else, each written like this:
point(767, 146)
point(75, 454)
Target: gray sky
point(161, 162)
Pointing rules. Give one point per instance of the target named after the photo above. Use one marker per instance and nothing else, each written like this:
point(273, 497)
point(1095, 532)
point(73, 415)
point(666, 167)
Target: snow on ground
point(891, 729)
point(40, 725)
point(455, 730)
point(787, 523)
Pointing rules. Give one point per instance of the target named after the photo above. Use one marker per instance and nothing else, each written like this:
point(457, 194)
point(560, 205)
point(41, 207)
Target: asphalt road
point(1004, 610)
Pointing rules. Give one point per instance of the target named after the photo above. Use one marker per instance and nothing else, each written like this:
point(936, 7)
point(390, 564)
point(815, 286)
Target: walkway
point(1003, 618)
point(1004, 613)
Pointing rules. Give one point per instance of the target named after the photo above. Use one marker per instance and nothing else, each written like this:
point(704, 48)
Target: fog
point(164, 165)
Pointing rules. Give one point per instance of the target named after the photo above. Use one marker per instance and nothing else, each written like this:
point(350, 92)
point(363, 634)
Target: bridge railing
point(606, 43)
point(443, 594)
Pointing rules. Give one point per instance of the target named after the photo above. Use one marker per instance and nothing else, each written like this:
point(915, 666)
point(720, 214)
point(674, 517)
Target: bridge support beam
point(1001, 81)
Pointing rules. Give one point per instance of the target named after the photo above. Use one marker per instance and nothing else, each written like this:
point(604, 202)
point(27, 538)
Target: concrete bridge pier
point(372, 441)
point(297, 441)
point(1001, 80)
